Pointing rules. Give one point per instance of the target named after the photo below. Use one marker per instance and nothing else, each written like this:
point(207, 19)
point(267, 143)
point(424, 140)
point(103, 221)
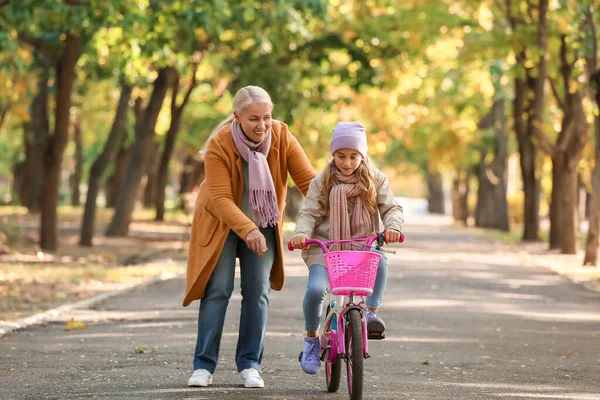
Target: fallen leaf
point(74, 325)
point(426, 362)
point(142, 350)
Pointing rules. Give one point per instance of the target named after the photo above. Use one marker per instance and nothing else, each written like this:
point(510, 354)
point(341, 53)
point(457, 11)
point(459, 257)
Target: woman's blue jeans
point(318, 283)
point(255, 287)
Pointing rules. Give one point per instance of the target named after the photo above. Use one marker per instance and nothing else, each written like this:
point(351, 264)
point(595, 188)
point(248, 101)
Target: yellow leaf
point(74, 324)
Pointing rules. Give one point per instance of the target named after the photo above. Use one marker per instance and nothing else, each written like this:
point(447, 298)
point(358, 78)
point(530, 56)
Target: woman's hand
point(299, 242)
point(391, 236)
point(256, 242)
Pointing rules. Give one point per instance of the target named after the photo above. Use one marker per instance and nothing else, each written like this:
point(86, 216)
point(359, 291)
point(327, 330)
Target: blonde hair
point(242, 99)
point(365, 181)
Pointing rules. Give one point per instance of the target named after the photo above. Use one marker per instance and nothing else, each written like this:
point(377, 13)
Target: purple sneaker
point(309, 358)
point(375, 325)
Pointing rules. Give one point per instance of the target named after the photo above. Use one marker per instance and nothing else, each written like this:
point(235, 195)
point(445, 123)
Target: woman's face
point(255, 121)
point(347, 161)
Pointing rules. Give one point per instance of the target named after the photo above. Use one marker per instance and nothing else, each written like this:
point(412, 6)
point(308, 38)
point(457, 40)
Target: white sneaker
point(201, 377)
point(252, 378)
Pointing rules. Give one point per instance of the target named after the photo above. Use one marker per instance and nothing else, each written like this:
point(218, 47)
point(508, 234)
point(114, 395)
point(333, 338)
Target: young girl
point(344, 201)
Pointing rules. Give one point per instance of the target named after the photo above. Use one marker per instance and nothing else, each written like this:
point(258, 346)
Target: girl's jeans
point(255, 285)
point(318, 283)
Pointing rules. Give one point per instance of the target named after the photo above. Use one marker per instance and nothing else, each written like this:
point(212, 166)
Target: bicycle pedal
point(376, 335)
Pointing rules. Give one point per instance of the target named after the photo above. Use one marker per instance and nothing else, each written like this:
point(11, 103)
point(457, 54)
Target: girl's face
point(255, 121)
point(347, 160)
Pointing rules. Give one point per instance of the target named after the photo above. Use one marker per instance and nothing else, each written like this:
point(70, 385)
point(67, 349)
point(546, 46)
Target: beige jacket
point(313, 224)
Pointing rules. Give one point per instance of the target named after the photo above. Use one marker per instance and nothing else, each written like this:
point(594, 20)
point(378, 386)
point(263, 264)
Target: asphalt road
point(465, 321)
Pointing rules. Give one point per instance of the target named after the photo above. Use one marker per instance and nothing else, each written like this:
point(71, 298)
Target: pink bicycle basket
point(352, 271)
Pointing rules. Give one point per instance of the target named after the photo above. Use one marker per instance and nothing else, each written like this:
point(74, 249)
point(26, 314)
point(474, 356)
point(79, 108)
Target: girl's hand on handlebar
point(299, 242)
point(256, 242)
point(391, 236)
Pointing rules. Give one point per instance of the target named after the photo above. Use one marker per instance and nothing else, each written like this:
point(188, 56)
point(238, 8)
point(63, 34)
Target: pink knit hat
point(349, 135)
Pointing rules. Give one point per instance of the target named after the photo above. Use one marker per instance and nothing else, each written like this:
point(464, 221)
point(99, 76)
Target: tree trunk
point(191, 176)
point(566, 154)
point(75, 178)
point(163, 169)
point(65, 75)
point(293, 202)
point(138, 162)
point(527, 158)
point(591, 247)
point(149, 192)
point(4, 113)
point(492, 207)
point(112, 145)
point(524, 114)
point(460, 196)
point(563, 208)
point(536, 116)
point(18, 183)
point(436, 193)
point(37, 145)
point(555, 200)
point(115, 181)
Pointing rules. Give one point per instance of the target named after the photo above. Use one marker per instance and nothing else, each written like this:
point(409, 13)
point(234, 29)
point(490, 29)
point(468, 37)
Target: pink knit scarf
point(263, 200)
point(341, 226)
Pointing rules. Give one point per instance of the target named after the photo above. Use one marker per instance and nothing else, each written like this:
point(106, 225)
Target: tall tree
point(58, 31)
point(566, 153)
point(492, 207)
point(138, 160)
point(108, 155)
point(75, 178)
point(520, 20)
point(167, 153)
point(593, 74)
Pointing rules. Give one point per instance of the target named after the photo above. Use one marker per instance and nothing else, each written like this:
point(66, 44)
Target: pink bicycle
point(343, 332)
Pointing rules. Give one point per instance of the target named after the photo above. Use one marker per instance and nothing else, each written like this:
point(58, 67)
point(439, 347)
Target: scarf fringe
point(263, 202)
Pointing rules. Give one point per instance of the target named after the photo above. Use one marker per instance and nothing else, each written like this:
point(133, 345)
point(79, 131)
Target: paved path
point(465, 321)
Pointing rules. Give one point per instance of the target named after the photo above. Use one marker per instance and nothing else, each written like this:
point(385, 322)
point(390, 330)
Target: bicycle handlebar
point(325, 243)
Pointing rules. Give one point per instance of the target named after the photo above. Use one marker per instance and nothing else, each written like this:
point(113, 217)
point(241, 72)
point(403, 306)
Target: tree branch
point(174, 93)
point(566, 134)
point(193, 84)
point(543, 142)
point(560, 101)
point(591, 60)
point(530, 8)
point(42, 46)
point(499, 5)
point(565, 67)
point(4, 3)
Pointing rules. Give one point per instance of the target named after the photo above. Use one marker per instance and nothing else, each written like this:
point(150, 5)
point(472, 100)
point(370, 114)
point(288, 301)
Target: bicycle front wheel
point(354, 350)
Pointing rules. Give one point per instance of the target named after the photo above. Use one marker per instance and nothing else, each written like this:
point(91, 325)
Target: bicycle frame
point(343, 305)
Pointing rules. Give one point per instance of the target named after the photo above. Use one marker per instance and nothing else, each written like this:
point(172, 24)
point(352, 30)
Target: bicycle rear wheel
point(354, 350)
point(333, 371)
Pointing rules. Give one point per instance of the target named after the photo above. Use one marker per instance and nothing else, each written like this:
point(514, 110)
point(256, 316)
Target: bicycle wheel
point(333, 371)
point(354, 350)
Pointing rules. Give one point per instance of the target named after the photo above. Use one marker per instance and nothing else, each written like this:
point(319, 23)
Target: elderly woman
point(238, 215)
